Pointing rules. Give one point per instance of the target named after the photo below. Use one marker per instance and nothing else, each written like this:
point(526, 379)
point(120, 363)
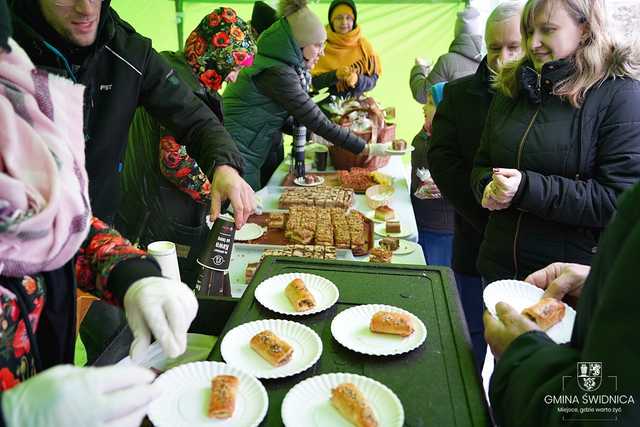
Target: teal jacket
point(258, 104)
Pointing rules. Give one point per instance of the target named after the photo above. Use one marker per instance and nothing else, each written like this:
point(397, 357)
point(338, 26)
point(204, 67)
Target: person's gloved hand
point(90, 397)
point(162, 307)
point(378, 150)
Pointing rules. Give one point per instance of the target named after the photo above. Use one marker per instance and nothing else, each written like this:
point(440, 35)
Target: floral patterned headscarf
point(219, 44)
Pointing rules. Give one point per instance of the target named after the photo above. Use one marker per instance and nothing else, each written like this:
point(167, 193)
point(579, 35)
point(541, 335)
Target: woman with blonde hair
point(561, 141)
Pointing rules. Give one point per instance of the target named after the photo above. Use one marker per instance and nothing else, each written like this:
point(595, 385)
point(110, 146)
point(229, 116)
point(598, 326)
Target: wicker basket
point(345, 160)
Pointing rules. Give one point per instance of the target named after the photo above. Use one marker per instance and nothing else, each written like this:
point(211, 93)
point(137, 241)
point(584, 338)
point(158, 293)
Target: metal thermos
point(214, 260)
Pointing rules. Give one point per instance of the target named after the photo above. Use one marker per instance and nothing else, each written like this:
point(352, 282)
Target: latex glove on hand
point(162, 307)
point(228, 184)
point(509, 325)
point(560, 279)
point(377, 150)
point(114, 396)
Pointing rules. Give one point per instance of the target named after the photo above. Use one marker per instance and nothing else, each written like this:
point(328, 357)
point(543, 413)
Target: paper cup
point(165, 253)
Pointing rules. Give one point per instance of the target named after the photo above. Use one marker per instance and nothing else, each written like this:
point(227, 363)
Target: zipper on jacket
point(519, 158)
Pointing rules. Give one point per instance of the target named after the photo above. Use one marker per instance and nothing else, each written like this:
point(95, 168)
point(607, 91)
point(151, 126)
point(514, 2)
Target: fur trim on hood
point(624, 60)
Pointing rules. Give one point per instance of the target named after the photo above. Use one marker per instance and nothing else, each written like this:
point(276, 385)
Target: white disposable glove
point(162, 307)
point(379, 150)
point(66, 395)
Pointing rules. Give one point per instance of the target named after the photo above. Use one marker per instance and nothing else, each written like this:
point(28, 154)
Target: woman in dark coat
point(561, 141)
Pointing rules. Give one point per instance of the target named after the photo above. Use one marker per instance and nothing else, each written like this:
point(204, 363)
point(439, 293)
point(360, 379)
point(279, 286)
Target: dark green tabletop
point(437, 383)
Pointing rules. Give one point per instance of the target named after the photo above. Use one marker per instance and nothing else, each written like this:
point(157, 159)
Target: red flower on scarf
point(168, 143)
point(211, 79)
point(229, 15)
point(220, 39)
point(29, 284)
point(34, 316)
point(196, 44)
point(84, 275)
point(206, 187)
point(98, 241)
point(240, 56)
point(182, 172)
point(214, 19)
point(98, 224)
point(236, 33)
point(21, 343)
point(7, 380)
point(171, 159)
point(11, 310)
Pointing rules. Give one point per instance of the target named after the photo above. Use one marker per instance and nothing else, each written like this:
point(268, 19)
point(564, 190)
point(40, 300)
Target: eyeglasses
point(71, 3)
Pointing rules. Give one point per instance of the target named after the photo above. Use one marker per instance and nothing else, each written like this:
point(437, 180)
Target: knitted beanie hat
point(219, 44)
point(335, 3)
point(469, 22)
point(262, 16)
point(305, 25)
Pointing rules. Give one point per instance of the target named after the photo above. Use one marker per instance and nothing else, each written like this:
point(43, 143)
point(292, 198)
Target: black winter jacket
point(122, 71)
point(534, 368)
point(574, 163)
point(457, 127)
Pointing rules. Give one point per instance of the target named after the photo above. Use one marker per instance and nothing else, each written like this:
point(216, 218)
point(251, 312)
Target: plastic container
point(379, 195)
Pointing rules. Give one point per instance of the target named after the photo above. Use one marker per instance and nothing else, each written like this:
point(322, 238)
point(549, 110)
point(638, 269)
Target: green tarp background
point(399, 31)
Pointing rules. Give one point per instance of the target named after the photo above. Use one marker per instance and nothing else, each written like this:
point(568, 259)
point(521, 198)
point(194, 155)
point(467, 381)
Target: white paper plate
point(521, 295)
point(249, 231)
point(300, 181)
point(381, 230)
point(186, 391)
point(406, 247)
point(270, 293)
point(400, 152)
point(351, 329)
point(236, 351)
point(308, 403)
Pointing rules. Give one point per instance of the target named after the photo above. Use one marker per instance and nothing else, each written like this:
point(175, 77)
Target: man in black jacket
point(536, 382)
point(457, 128)
point(86, 41)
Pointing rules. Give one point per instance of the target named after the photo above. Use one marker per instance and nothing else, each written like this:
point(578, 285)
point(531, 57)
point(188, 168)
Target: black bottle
point(214, 260)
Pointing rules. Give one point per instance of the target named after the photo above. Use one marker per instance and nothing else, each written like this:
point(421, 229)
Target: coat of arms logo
point(589, 375)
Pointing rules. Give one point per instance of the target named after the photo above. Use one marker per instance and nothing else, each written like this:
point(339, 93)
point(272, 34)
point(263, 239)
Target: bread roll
point(352, 405)
point(390, 322)
point(223, 396)
point(546, 312)
point(299, 296)
point(271, 348)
